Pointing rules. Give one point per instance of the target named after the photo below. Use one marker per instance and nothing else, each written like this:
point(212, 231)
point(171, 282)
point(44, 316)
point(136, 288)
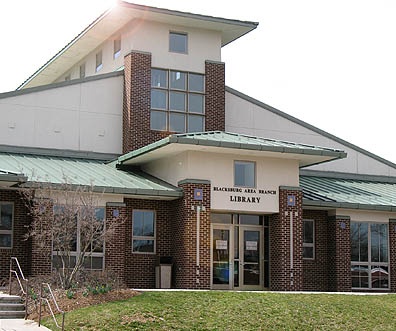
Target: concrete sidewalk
point(20, 325)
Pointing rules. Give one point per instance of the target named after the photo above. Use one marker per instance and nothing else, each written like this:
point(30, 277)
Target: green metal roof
point(85, 172)
point(235, 141)
point(351, 193)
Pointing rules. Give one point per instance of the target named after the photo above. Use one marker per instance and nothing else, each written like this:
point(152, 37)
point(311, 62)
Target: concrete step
point(12, 314)
point(5, 298)
point(11, 306)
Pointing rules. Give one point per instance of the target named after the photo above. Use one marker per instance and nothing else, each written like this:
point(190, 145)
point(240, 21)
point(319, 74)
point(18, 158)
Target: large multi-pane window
point(71, 231)
point(6, 222)
point(143, 231)
point(369, 255)
point(177, 101)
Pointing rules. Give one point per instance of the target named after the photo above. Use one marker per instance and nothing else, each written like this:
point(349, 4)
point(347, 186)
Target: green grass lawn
point(237, 311)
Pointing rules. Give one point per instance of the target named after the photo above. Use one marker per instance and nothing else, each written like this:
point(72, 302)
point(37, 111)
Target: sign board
point(291, 200)
point(221, 244)
point(198, 194)
point(251, 245)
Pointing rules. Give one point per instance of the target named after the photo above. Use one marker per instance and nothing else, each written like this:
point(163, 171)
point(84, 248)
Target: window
point(82, 70)
point(74, 235)
point(177, 101)
point(99, 63)
point(369, 255)
point(244, 174)
point(117, 47)
point(143, 231)
point(308, 239)
point(178, 42)
point(6, 223)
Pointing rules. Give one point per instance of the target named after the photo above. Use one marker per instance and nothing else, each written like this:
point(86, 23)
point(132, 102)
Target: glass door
point(250, 258)
point(221, 257)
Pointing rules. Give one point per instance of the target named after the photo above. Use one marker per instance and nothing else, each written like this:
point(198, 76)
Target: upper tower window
point(117, 47)
point(82, 70)
point(99, 63)
point(178, 42)
point(177, 101)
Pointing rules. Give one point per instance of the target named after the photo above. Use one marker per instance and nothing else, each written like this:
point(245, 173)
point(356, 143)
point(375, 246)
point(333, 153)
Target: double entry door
point(237, 257)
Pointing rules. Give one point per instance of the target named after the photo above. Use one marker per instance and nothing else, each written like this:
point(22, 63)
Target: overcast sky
point(331, 63)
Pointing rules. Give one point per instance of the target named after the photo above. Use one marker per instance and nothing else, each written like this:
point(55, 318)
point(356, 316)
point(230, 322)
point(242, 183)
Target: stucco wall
point(84, 116)
point(247, 117)
point(153, 37)
point(219, 170)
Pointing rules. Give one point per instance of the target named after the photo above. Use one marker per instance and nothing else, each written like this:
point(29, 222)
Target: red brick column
point(392, 255)
point(42, 253)
point(136, 102)
point(287, 273)
point(339, 254)
point(215, 96)
point(116, 215)
point(187, 273)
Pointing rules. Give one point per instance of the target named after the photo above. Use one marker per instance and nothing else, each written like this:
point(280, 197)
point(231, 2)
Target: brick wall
point(115, 246)
point(215, 96)
point(316, 272)
point(21, 248)
point(283, 277)
point(339, 259)
point(184, 239)
point(140, 267)
point(392, 255)
point(42, 253)
point(136, 103)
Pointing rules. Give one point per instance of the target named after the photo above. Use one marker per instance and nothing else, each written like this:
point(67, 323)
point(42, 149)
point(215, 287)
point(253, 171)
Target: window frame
point(170, 91)
point(90, 254)
point(153, 238)
point(254, 174)
point(178, 33)
point(82, 73)
point(9, 232)
point(99, 66)
point(117, 47)
point(312, 244)
point(369, 263)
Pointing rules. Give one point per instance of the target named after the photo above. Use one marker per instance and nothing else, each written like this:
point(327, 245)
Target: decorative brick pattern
point(184, 239)
point(284, 277)
point(21, 247)
point(316, 271)
point(339, 260)
point(215, 96)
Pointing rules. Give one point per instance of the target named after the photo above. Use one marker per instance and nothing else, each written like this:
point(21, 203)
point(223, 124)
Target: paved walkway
point(20, 325)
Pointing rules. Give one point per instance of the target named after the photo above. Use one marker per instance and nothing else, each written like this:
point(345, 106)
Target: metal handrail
point(49, 306)
point(24, 290)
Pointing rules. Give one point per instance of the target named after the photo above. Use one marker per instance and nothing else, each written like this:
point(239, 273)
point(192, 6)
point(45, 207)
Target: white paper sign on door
point(251, 245)
point(221, 244)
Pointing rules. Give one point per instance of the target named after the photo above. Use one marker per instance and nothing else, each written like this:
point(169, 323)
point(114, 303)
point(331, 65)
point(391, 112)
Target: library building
point(217, 190)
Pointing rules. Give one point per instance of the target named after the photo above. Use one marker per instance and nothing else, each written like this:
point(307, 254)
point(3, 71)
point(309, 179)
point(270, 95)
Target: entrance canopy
point(230, 143)
point(9, 179)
